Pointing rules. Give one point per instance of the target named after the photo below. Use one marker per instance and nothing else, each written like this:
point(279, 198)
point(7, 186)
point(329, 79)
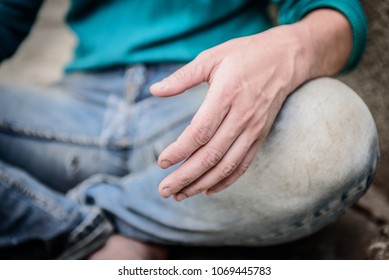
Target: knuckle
point(228, 169)
point(203, 56)
point(201, 133)
point(234, 90)
point(179, 151)
point(212, 157)
point(206, 56)
point(185, 180)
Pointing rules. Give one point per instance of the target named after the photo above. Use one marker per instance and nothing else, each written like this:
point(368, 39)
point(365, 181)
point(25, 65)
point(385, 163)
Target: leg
point(54, 136)
point(38, 223)
point(62, 136)
point(319, 158)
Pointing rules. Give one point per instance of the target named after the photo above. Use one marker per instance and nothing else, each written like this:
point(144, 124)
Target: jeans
point(78, 162)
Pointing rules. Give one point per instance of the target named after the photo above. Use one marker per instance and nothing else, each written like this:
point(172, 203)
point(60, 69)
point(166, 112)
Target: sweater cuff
point(351, 9)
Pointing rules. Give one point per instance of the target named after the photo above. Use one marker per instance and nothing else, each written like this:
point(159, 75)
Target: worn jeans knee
point(319, 158)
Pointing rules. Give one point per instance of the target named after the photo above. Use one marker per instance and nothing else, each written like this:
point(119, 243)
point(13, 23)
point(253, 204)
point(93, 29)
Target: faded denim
point(78, 160)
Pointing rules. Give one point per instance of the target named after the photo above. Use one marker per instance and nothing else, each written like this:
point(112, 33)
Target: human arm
point(249, 79)
point(16, 19)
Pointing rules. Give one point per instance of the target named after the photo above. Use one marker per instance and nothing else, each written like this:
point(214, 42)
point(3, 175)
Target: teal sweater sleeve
point(291, 11)
point(16, 19)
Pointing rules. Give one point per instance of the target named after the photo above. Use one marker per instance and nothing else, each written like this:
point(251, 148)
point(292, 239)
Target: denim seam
point(80, 228)
point(327, 211)
point(37, 133)
point(41, 202)
point(83, 245)
point(84, 140)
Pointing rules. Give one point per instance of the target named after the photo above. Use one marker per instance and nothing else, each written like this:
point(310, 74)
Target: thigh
point(98, 122)
point(55, 135)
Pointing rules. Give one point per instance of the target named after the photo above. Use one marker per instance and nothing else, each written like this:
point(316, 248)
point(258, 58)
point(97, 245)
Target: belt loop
point(134, 79)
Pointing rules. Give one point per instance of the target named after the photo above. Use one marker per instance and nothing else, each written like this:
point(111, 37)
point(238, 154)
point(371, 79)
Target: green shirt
point(121, 32)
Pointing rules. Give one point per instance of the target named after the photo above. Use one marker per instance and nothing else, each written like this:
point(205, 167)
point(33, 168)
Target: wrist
point(294, 55)
point(326, 39)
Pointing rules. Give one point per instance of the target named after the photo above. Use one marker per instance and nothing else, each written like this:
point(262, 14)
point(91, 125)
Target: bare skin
point(123, 248)
point(249, 80)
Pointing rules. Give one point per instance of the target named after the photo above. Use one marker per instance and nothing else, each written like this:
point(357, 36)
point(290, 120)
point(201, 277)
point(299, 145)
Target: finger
point(202, 128)
point(243, 167)
point(188, 76)
point(190, 170)
point(226, 167)
point(204, 158)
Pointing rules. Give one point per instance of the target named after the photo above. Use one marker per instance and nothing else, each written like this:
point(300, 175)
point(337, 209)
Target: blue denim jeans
point(78, 161)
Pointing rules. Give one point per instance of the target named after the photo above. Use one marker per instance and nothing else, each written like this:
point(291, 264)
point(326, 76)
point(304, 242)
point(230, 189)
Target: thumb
point(188, 76)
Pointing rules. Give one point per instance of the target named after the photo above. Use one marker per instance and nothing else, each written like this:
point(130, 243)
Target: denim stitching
point(346, 199)
point(88, 236)
point(84, 140)
point(37, 133)
point(40, 201)
point(82, 230)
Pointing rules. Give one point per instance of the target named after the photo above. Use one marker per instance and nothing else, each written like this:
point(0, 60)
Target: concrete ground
point(361, 233)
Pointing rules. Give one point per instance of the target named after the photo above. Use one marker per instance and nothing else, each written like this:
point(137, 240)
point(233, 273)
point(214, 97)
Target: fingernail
point(181, 197)
point(166, 192)
point(165, 163)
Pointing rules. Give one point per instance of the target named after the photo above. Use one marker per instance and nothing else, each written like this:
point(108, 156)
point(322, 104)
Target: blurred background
point(361, 233)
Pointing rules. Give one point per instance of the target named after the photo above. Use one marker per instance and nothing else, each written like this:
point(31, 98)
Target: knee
point(336, 131)
point(319, 157)
point(324, 136)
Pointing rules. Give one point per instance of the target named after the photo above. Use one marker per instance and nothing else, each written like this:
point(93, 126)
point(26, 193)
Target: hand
point(249, 80)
